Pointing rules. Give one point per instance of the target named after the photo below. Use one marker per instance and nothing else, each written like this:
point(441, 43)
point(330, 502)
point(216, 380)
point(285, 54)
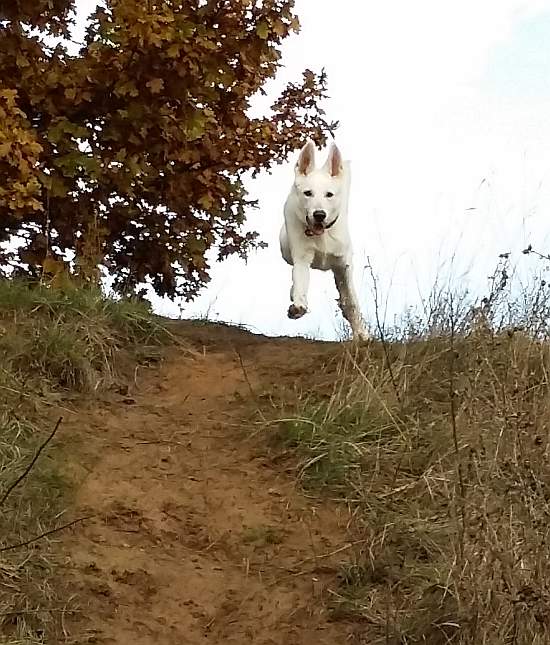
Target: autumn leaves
point(140, 142)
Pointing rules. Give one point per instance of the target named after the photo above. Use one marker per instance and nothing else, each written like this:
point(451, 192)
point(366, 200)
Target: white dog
point(315, 232)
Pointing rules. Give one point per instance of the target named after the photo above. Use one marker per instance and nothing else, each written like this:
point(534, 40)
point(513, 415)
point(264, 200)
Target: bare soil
point(197, 536)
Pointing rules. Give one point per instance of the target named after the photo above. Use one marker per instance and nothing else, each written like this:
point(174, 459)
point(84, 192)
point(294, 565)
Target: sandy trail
point(197, 537)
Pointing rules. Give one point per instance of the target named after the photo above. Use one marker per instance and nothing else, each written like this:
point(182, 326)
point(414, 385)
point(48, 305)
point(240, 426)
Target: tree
point(132, 153)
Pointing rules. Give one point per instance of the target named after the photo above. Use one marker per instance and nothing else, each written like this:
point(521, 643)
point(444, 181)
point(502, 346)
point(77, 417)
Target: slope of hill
point(196, 535)
point(232, 488)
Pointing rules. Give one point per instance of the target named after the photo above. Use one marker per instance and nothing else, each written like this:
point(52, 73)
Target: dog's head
point(320, 191)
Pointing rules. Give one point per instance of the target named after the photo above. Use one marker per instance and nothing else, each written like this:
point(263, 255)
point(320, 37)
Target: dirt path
point(197, 538)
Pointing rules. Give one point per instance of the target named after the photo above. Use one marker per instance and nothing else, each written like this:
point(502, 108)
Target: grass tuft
point(72, 339)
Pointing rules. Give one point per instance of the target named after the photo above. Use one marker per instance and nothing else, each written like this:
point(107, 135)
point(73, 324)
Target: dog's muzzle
point(318, 227)
point(319, 216)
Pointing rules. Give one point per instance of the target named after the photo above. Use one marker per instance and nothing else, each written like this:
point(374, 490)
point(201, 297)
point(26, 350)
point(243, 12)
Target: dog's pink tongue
point(318, 229)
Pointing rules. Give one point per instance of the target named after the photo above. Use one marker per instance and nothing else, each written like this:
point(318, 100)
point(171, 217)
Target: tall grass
point(438, 438)
point(73, 338)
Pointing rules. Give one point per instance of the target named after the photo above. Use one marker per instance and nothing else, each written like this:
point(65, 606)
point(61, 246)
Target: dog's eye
point(329, 194)
point(308, 193)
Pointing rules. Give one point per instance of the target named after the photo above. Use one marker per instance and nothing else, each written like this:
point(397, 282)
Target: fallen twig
point(27, 470)
point(314, 558)
point(20, 545)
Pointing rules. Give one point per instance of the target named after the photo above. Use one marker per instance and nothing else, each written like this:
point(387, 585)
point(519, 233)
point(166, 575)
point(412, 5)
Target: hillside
point(196, 535)
point(210, 485)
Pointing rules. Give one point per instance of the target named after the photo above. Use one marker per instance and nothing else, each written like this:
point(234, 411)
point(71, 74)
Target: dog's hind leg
point(348, 301)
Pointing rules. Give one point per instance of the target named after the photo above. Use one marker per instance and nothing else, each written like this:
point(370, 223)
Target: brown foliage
point(141, 141)
point(19, 153)
point(47, 15)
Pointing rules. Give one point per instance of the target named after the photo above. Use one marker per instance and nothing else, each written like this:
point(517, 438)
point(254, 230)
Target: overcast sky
point(445, 115)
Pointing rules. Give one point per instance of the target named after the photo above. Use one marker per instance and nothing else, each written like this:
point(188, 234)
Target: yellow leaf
point(295, 24)
point(50, 265)
point(155, 85)
point(206, 202)
point(262, 30)
point(128, 87)
point(22, 61)
point(70, 93)
point(279, 28)
point(174, 50)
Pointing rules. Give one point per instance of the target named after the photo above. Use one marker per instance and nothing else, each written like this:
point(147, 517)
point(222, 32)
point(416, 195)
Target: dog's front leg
point(300, 286)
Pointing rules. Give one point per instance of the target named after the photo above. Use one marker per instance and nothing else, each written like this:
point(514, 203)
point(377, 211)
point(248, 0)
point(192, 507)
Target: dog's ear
point(306, 160)
point(334, 164)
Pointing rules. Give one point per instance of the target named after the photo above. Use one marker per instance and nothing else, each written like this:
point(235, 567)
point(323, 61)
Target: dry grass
point(72, 339)
point(31, 603)
point(438, 438)
point(51, 345)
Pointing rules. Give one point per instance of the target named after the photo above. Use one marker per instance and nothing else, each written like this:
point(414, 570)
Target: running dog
point(315, 232)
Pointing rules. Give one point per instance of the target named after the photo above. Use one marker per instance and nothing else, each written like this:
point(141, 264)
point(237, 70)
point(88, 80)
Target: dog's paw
point(296, 311)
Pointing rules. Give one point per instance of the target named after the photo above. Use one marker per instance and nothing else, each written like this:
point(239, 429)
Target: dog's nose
point(319, 216)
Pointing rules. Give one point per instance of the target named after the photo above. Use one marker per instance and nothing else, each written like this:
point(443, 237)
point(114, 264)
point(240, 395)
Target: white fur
point(330, 250)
